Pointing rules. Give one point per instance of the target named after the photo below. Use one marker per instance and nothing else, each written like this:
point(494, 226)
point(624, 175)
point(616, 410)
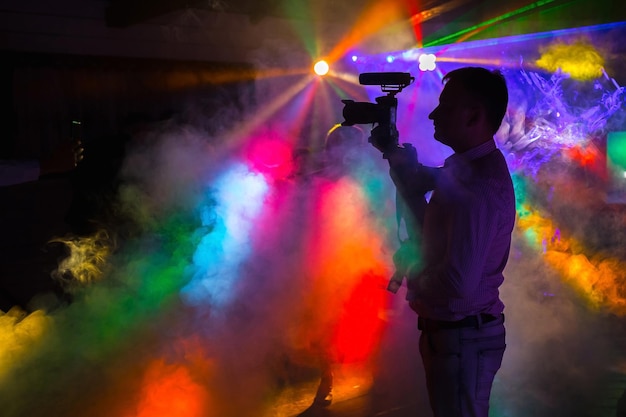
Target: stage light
point(390, 58)
point(616, 167)
point(321, 67)
point(427, 62)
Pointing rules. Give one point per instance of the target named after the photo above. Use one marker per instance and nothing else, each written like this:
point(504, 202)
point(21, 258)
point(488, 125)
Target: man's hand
point(402, 157)
point(381, 139)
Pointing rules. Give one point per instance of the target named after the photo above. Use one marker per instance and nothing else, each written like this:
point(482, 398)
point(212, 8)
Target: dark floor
point(30, 215)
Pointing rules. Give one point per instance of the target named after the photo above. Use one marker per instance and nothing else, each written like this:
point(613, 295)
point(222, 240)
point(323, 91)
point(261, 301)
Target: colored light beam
point(487, 62)
point(464, 34)
point(304, 27)
point(346, 85)
point(382, 14)
point(239, 197)
point(416, 20)
point(522, 39)
point(349, 272)
point(264, 113)
point(298, 116)
point(417, 16)
point(375, 17)
point(110, 315)
point(562, 15)
point(322, 110)
point(184, 80)
point(478, 52)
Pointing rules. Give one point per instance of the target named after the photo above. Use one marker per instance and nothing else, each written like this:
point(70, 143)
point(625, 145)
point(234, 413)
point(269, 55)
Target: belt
point(469, 321)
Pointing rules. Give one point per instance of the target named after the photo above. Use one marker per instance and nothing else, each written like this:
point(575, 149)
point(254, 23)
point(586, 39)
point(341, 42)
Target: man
point(465, 239)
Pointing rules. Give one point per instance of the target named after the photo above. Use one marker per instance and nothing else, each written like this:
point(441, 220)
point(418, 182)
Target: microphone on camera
point(385, 78)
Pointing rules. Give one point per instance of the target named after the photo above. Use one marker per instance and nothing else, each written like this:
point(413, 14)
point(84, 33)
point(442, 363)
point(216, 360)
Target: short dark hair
point(488, 87)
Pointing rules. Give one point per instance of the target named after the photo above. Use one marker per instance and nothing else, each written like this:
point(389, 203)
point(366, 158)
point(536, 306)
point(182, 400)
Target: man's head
point(471, 107)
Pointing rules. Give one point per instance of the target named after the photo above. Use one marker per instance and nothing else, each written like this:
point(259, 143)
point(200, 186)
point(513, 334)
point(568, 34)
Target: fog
point(241, 253)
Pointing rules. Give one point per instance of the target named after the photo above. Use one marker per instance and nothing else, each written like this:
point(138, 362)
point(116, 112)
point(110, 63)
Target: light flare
point(321, 67)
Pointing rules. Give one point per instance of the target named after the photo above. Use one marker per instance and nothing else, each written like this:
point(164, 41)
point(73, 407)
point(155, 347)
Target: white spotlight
point(321, 67)
point(427, 62)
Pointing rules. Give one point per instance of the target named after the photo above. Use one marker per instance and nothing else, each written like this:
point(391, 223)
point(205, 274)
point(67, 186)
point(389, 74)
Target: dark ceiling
point(434, 15)
point(121, 13)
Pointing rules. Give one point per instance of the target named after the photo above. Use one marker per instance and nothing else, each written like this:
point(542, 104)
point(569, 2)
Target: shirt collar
point(471, 154)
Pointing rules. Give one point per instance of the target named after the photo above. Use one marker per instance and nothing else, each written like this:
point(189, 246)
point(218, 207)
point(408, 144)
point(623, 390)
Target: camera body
point(382, 114)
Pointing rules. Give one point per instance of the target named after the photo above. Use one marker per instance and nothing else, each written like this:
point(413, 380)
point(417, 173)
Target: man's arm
point(412, 180)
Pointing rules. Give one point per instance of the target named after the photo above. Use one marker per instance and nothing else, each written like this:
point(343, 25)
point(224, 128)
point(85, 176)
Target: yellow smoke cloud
point(19, 333)
point(87, 259)
point(580, 60)
point(601, 281)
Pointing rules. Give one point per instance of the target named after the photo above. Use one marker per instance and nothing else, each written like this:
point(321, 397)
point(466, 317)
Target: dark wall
point(42, 93)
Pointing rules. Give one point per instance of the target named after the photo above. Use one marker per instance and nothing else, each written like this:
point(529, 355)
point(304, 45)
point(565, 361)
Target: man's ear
point(475, 115)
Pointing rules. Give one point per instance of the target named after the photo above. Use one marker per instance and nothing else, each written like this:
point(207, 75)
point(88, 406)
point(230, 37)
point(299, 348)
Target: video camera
point(383, 113)
point(384, 137)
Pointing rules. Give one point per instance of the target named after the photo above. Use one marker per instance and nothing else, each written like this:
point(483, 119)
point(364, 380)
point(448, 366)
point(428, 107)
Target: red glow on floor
point(360, 327)
point(169, 390)
point(349, 274)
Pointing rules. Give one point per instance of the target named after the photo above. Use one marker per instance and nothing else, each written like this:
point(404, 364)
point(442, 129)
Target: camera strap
point(401, 209)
